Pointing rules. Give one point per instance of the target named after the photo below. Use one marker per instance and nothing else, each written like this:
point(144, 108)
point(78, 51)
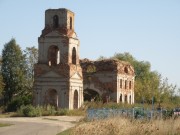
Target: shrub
point(48, 110)
point(61, 112)
point(76, 112)
point(29, 111)
point(17, 102)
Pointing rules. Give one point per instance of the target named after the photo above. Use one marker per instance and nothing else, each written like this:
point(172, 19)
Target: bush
point(61, 112)
point(29, 111)
point(17, 102)
point(67, 112)
point(48, 110)
point(76, 112)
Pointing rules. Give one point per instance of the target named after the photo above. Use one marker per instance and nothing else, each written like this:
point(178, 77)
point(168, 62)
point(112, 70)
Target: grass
point(31, 111)
point(124, 126)
point(66, 132)
point(76, 112)
point(50, 119)
point(5, 124)
point(7, 115)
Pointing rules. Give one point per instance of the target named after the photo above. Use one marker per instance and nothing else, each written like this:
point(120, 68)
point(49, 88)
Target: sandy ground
point(50, 125)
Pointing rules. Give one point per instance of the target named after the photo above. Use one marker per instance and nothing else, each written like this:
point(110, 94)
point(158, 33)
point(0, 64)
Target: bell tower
point(58, 74)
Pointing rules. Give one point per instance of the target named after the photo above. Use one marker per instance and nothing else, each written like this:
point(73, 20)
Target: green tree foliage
point(18, 101)
point(13, 70)
point(166, 91)
point(148, 83)
point(1, 86)
point(31, 55)
point(1, 80)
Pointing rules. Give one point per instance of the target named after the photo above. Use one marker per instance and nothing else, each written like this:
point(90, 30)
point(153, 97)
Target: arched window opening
point(74, 56)
point(120, 83)
point(53, 55)
point(130, 99)
point(55, 21)
point(75, 106)
point(121, 98)
point(130, 84)
point(70, 22)
point(125, 84)
point(125, 100)
point(126, 70)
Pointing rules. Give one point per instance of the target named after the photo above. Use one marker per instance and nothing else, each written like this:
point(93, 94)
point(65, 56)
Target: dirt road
point(50, 125)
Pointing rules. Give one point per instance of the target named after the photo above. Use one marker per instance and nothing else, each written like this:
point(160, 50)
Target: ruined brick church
point(63, 80)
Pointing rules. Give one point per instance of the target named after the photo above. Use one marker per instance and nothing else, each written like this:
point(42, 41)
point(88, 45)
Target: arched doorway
point(52, 97)
point(75, 106)
point(91, 95)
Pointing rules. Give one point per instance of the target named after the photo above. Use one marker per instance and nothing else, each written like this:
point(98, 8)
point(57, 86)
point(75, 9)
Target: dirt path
point(50, 125)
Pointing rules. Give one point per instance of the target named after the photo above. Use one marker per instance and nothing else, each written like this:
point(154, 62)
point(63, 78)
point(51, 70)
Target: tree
point(1, 90)
point(13, 71)
point(1, 86)
point(166, 90)
point(1, 80)
point(31, 55)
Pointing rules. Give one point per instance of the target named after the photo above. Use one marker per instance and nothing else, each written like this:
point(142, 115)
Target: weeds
point(31, 111)
point(124, 126)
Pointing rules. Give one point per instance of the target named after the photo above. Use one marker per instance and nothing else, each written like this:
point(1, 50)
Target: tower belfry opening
point(74, 56)
point(55, 21)
point(70, 22)
point(53, 55)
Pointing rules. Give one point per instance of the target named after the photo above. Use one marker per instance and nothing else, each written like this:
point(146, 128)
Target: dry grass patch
point(5, 124)
point(123, 126)
point(7, 115)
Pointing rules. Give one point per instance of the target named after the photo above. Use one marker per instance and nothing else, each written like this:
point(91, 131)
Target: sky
point(147, 29)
